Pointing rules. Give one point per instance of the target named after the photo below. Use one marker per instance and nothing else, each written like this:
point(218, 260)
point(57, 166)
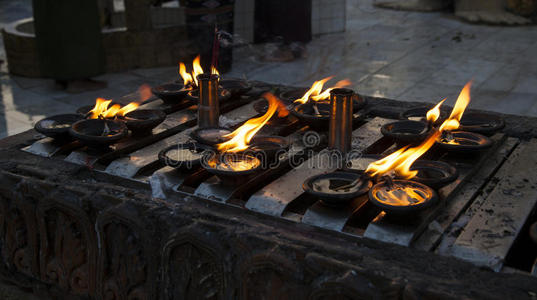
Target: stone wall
point(73, 233)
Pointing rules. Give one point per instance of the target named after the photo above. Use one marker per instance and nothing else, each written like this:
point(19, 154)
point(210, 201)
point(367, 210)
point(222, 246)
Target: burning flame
point(214, 71)
point(434, 113)
point(453, 122)
point(101, 109)
point(326, 94)
point(197, 70)
point(240, 138)
point(190, 79)
point(315, 90)
point(316, 93)
point(401, 160)
point(127, 109)
point(100, 106)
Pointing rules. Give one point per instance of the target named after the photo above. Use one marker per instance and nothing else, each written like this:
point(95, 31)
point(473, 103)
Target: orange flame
point(111, 112)
point(434, 113)
point(326, 94)
point(196, 69)
point(453, 122)
point(214, 71)
point(101, 109)
point(127, 109)
point(187, 78)
point(401, 160)
point(101, 105)
point(191, 78)
point(241, 137)
point(315, 90)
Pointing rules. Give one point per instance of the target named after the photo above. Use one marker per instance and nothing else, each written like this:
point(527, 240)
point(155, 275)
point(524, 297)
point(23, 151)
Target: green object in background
point(68, 37)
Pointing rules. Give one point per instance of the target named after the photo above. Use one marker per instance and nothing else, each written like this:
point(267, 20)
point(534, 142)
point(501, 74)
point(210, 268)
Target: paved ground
point(394, 54)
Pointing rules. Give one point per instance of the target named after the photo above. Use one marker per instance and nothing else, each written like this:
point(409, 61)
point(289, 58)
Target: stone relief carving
point(68, 248)
point(125, 265)
point(192, 270)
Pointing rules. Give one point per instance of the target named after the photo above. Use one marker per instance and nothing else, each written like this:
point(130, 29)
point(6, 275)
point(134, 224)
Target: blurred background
point(58, 55)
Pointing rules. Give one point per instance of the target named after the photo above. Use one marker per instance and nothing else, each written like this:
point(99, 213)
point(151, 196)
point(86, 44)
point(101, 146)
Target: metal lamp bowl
point(435, 174)
point(210, 136)
point(47, 126)
point(143, 120)
point(406, 210)
point(482, 123)
point(406, 131)
point(337, 199)
point(167, 159)
point(470, 142)
point(170, 92)
point(89, 132)
point(230, 177)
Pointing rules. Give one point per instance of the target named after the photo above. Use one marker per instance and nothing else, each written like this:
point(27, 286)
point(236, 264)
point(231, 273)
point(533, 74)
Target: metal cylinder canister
point(340, 129)
point(208, 107)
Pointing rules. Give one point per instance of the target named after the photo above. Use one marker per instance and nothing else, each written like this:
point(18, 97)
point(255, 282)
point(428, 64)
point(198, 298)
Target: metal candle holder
point(340, 126)
point(208, 106)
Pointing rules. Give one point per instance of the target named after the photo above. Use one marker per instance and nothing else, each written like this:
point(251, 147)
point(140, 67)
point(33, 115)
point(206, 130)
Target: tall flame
point(401, 160)
point(187, 78)
point(453, 122)
point(196, 69)
point(240, 138)
point(191, 78)
point(434, 113)
point(101, 105)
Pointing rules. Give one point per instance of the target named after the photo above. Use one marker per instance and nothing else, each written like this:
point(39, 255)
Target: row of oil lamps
point(399, 183)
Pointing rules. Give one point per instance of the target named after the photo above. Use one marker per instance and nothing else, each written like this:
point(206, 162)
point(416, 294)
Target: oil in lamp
point(57, 127)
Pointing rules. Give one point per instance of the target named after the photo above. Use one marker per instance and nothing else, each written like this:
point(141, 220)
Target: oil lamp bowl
point(406, 131)
point(268, 148)
point(223, 95)
point(236, 87)
point(142, 121)
point(378, 191)
point(57, 127)
point(482, 123)
point(214, 163)
point(435, 174)
point(465, 142)
point(170, 92)
point(210, 136)
point(90, 132)
point(183, 156)
point(420, 114)
point(325, 187)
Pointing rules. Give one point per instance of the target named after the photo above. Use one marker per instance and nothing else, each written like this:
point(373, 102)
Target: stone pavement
point(400, 55)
